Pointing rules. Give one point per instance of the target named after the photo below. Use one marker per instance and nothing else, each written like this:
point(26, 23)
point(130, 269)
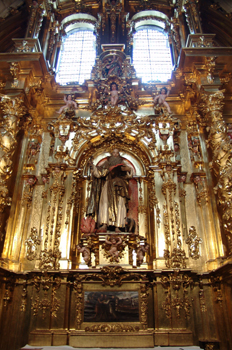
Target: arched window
point(77, 57)
point(151, 55)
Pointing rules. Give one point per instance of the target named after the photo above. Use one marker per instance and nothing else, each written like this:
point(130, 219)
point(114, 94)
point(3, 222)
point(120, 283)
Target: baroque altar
point(115, 196)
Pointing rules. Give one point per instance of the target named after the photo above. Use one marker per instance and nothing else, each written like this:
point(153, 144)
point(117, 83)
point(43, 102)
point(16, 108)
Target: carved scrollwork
point(176, 281)
point(204, 42)
point(14, 71)
point(115, 328)
point(24, 298)
point(78, 287)
point(8, 293)
point(22, 47)
point(113, 247)
point(43, 303)
point(202, 297)
point(55, 302)
point(216, 283)
point(174, 255)
point(144, 304)
point(47, 260)
point(31, 243)
point(113, 275)
point(193, 242)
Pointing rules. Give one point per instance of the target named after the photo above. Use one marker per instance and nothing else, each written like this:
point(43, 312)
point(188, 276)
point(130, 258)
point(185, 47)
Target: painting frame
point(111, 306)
point(92, 325)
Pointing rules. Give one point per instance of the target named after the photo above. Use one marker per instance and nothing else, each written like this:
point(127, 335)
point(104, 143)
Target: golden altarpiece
point(165, 278)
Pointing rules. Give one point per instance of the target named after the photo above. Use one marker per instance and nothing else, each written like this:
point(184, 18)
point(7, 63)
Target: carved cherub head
point(164, 137)
point(31, 181)
point(182, 178)
point(197, 179)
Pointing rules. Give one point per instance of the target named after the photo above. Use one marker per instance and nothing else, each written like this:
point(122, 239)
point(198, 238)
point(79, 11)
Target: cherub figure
point(164, 92)
point(85, 253)
point(88, 225)
point(70, 104)
point(141, 253)
point(113, 94)
point(114, 242)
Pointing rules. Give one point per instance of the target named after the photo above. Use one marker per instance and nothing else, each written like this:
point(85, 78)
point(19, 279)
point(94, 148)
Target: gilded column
point(218, 140)
point(12, 109)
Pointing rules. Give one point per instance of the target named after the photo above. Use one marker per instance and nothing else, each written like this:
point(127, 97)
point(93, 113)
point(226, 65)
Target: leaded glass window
point(151, 55)
point(77, 58)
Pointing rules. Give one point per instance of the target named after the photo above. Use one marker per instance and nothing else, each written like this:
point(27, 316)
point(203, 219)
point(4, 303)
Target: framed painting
point(111, 306)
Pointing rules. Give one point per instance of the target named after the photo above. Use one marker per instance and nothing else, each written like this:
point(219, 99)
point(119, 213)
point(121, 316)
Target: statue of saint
point(108, 202)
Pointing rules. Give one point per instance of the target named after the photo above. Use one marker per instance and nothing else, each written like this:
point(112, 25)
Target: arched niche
point(136, 153)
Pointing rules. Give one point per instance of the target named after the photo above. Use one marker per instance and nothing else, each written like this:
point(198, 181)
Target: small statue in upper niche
point(160, 99)
point(112, 66)
point(70, 104)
